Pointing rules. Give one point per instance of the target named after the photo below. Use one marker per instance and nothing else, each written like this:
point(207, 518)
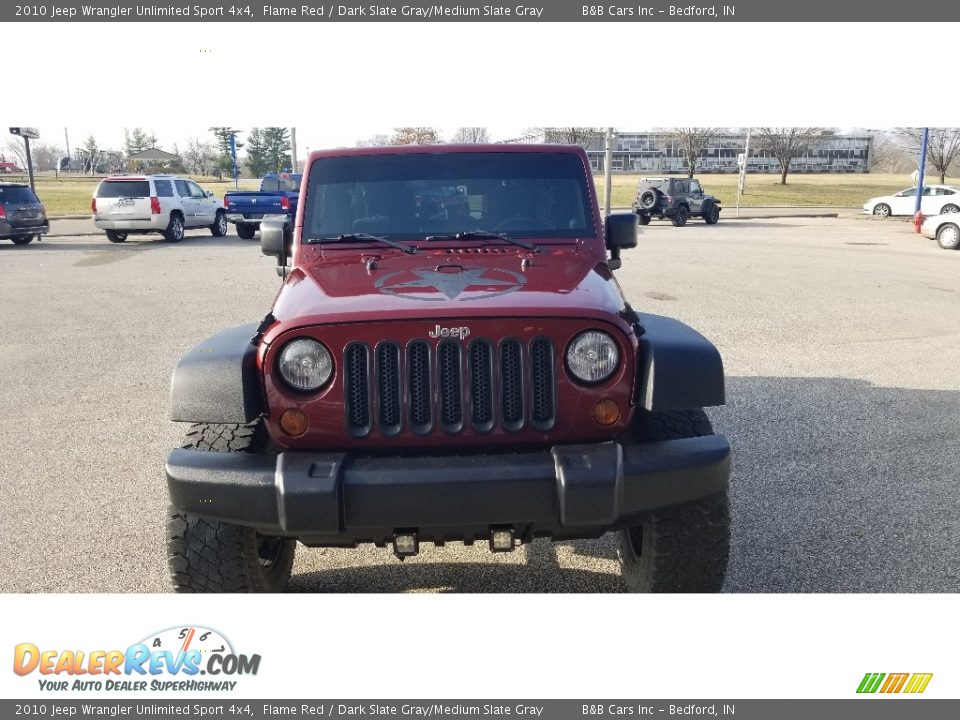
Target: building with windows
point(657, 153)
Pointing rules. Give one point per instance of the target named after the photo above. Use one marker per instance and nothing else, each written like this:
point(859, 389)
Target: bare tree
point(943, 146)
point(378, 140)
point(583, 136)
point(786, 143)
point(15, 147)
point(471, 135)
point(692, 142)
point(46, 157)
point(415, 136)
point(888, 154)
point(199, 157)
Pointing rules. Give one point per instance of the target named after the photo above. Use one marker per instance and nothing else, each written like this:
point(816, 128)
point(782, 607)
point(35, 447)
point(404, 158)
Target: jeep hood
point(338, 286)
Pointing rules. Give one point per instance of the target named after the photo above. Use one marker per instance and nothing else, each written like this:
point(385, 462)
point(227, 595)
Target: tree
point(471, 135)
point(256, 161)
point(15, 147)
point(224, 160)
point(91, 154)
point(136, 141)
point(276, 148)
point(582, 136)
point(787, 143)
point(375, 141)
point(943, 146)
point(888, 155)
point(415, 136)
point(46, 157)
point(199, 157)
point(691, 142)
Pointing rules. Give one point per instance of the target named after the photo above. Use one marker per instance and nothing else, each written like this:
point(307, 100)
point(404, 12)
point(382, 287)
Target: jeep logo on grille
point(462, 332)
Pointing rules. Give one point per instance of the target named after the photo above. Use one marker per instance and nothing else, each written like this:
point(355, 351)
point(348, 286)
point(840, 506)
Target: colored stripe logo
point(913, 683)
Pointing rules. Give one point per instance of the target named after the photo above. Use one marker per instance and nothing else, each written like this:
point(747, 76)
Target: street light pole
point(923, 170)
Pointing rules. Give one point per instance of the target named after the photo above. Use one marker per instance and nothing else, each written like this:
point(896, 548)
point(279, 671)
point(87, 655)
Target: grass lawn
point(801, 190)
point(71, 195)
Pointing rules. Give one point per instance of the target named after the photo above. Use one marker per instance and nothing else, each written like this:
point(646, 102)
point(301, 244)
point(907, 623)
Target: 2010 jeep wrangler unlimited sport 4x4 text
point(449, 359)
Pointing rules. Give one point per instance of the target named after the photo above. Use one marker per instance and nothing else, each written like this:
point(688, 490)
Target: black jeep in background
point(676, 198)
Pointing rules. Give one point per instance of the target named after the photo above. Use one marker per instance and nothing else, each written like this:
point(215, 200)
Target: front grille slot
point(542, 412)
point(511, 384)
point(389, 408)
point(357, 390)
point(450, 386)
point(481, 386)
point(420, 387)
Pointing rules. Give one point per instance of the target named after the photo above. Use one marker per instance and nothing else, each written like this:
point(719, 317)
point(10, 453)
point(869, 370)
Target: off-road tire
point(948, 236)
point(647, 199)
point(116, 237)
point(681, 216)
point(712, 217)
point(246, 231)
point(212, 556)
point(175, 229)
point(882, 210)
point(219, 227)
point(23, 239)
point(683, 548)
point(643, 219)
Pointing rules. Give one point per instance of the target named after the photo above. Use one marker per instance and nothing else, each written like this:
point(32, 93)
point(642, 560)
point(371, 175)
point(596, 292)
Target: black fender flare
point(677, 367)
point(708, 205)
point(217, 381)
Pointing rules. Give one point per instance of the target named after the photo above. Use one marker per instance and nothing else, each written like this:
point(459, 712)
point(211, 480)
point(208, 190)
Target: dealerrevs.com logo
point(172, 659)
point(892, 683)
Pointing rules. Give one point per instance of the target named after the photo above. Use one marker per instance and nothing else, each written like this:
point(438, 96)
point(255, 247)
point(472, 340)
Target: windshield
point(284, 183)
point(536, 195)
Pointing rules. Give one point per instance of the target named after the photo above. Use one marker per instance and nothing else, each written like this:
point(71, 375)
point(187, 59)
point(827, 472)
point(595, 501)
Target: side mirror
point(272, 240)
point(620, 231)
point(208, 193)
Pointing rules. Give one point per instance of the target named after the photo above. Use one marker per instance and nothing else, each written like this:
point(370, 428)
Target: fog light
point(501, 540)
point(294, 422)
point(405, 545)
point(606, 413)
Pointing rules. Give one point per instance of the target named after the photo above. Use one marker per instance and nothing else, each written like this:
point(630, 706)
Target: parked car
point(945, 229)
point(936, 199)
point(22, 215)
point(166, 204)
point(678, 199)
point(277, 198)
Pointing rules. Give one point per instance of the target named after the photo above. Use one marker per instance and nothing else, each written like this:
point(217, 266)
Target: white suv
point(167, 204)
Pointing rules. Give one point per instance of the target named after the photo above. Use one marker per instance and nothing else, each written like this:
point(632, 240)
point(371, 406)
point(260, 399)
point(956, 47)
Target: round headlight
point(592, 356)
point(305, 364)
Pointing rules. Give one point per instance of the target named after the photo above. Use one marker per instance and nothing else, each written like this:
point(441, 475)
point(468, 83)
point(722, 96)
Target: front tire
point(246, 231)
point(681, 217)
point(212, 556)
point(174, 231)
point(116, 237)
point(712, 217)
point(882, 210)
point(948, 236)
point(683, 548)
point(219, 227)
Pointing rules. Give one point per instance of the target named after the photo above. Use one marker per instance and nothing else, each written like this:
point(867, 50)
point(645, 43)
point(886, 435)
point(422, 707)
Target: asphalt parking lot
point(841, 341)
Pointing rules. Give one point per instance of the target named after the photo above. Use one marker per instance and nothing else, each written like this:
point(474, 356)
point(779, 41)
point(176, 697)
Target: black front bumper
point(570, 491)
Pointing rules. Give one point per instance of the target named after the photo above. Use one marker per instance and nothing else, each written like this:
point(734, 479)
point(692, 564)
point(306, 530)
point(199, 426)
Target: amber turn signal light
point(606, 413)
point(294, 422)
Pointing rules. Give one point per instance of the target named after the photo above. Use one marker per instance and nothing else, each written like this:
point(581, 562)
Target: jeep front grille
point(452, 386)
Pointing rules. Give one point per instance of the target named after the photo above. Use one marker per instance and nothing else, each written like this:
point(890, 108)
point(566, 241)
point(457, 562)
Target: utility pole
point(607, 170)
point(742, 180)
point(66, 138)
point(293, 148)
point(922, 171)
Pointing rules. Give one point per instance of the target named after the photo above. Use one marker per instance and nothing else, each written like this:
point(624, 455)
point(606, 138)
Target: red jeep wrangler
point(457, 371)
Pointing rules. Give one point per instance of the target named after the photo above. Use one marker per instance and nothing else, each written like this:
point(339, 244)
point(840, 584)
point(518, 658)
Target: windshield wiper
point(486, 235)
point(346, 237)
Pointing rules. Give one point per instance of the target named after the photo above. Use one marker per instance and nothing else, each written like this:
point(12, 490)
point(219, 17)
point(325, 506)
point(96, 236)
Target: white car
point(945, 228)
point(936, 199)
point(167, 204)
